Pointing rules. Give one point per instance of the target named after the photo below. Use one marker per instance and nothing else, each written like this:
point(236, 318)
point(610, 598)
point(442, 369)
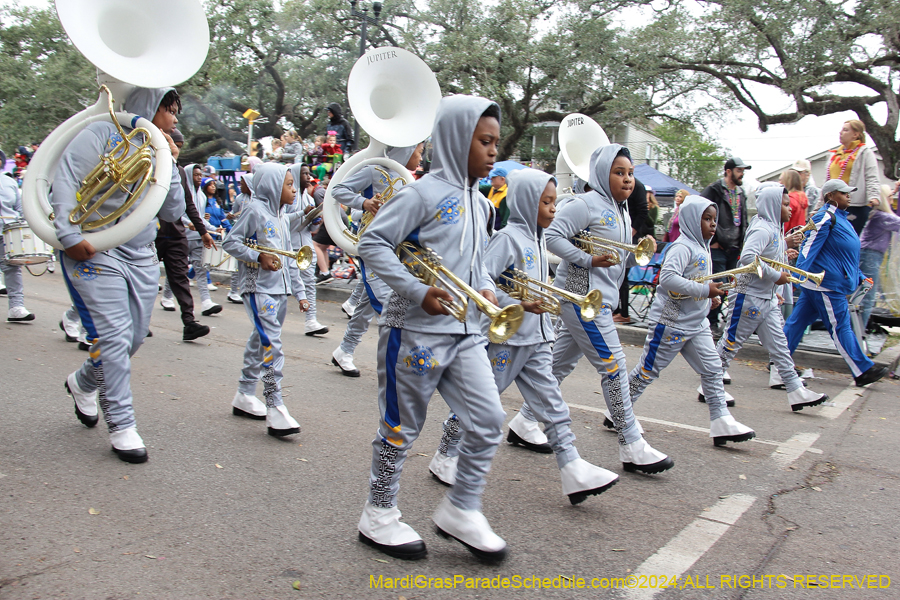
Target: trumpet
point(595, 245)
point(303, 256)
point(755, 267)
point(311, 216)
point(802, 276)
point(528, 289)
point(426, 266)
point(810, 225)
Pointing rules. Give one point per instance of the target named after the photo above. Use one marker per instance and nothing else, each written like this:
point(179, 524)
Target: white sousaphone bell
point(132, 43)
point(394, 97)
point(579, 136)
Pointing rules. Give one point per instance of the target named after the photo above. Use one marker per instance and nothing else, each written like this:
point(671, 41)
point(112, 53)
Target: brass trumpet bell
point(426, 266)
point(754, 268)
point(303, 256)
point(597, 246)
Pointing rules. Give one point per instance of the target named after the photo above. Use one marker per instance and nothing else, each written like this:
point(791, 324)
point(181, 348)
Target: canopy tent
point(662, 184)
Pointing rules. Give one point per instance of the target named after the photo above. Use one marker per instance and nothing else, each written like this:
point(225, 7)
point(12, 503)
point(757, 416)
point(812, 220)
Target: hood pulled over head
point(268, 179)
point(526, 186)
point(145, 101)
point(768, 204)
point(601, 164)
point(455, 123)
point(401, 154)
point(336, 112)
point(689, 217)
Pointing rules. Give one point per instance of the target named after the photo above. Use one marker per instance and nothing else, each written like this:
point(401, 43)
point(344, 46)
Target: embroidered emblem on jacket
point(449, 211)
point(529, 259)
point(608, 218)
point(271, 230)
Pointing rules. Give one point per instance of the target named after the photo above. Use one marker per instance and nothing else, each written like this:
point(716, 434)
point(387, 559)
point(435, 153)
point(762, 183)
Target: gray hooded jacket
point(440, 211)
point(10, 201)
point(521, 245)
point(262, 220)
point(604, 217)
point(764, 238)
point(199, 200)
point(686, 258)
point(80, 158)
point(295, 211)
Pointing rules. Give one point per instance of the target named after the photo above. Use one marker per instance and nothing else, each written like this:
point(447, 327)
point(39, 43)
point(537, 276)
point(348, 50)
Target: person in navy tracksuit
point(833, 247)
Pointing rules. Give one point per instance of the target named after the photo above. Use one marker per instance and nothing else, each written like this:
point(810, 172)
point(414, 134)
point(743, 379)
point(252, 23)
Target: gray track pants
point(411, 365)
point(749, 314)
point(263, 354)
point(599, 342)
point(115, 300)
point(663, 344)
point(12, 276)
point(364, 312)
point(304, 280)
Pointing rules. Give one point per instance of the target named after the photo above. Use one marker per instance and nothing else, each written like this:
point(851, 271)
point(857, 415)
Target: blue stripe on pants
point(654, 346)
point(392, 410)
point(596, 338)
point(735, 318)
point(263, 338)
point(373, 300)
point(82, 308)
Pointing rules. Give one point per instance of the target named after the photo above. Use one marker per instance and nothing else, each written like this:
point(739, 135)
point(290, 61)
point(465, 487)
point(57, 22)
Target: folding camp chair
point(642, 282)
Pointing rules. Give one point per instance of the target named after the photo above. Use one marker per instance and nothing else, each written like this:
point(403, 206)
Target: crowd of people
point(427, 341)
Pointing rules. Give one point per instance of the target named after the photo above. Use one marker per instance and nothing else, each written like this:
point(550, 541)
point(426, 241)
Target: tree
point(825, 56)
point(44, 80)
point(691, 158)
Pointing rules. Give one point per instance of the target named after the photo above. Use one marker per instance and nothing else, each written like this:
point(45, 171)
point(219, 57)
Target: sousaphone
point(133, 43)
point(579, 136)
point(394, 97)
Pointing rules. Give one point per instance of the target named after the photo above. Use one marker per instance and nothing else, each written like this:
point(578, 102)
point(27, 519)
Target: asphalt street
point(222, 510)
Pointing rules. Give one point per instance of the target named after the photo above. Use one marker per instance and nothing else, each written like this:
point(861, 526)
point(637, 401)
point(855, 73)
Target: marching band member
point(114, 290)
point(303, 283)
point(195, 244)
point(526, 357)
point(350, 192)
point(601, 211)
point(237, 207)
point(422, 348)
point(833, 247)
point(680, 325)
point(265, 291)
point(11, 210)
point(755, 307)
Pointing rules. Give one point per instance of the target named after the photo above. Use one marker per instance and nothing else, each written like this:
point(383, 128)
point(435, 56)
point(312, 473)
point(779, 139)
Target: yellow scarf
point(497, 196)
point(837, 162)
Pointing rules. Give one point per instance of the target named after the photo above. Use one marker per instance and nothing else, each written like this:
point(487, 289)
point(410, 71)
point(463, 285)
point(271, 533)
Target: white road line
point(842, 402)
point(704, 430)
point(794, 448)
point(691, 543)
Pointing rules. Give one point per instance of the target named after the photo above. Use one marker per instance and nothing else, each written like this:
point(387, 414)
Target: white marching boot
point(85, 402)
point(344, 362)
point(443, 468)
point(608, 422)
point(70, 328)
point(471, 529)
point(245, 405)
point(381, 529)
point(729, 399)
point(581, 479)
point(280, 422)
point(726, 378)
point(167, 304)
point(775, 381)
point(527, 434)
point(726, 429)
point(128, 445)
point(348, 308)
point(641, 456)
point(210, 308)
point(313, 327)
point(803, 397)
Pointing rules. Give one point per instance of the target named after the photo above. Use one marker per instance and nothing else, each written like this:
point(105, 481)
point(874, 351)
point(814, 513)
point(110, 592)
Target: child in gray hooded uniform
point(526, 357)
point(679, 324)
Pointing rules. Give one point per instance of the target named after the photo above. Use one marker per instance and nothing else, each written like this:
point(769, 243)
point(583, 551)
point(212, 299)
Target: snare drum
point(23, 247)
point(218, 261)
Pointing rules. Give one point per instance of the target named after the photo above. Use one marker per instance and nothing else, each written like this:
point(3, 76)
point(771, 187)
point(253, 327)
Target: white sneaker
point(471, 529)
point(608, 422)
point(381, 529)
point(19, 313)
point(167, 303)
point(191, 282)
point(348, 308)
point(344, 361)
point(581, 479)
point(313, 327)
point(726, 378)
point(235, 298)
point(212, 287)
point(210, 308)
point(726, 429)
point(71, 328)
point(280, 422)
point(85, 402)
point(729, 399)
point(128, 445)
point(527, 434)
point(803, 397)
point(443, 468)
point(245, 405)
point(640, 456)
